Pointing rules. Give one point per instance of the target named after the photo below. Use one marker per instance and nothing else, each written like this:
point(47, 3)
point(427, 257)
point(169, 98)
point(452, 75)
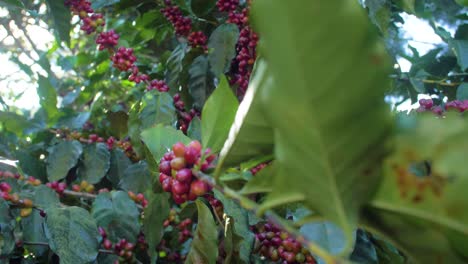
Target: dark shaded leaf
point(62, 157)
point(72, 234)
point(118, 215)
point(222, 43)
point(155, 214)
point(95, 163)
point(136, 178)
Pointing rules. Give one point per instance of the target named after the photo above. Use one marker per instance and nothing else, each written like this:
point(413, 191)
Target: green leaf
point(199, 81)
point(157, 108)
point(242, 249)
point(461, 50)
point(200, 8)
point(251, 136)
point(222, 45)
point(95, 163)
point(103, 3)
point(47, 97)
point(380, 14)
point(194, 129)
point(218, 115)
point(118, 215)
point(322, 136)
point(61, 17)
point(462, 92)
point(62, 157)
point(119, 162)
point(204, 246)
point(156, 213)
point(325, 234)
point(136, 178)
point(72, 234)
point(160, 139)
point(32, 226)
point(14, 3)
point(118, 123)
point(7, 225)
point(261, 182)
point(424, 214)
point(175, 66)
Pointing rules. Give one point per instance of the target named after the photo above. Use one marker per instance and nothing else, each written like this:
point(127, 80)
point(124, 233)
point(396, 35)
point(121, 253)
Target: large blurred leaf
point(160, 139)
point(48, 97)
point(157, 108)
point(136, 178)
point(95, 163)
point(62, 157)
point(199, 81)
point(204, 246)
point(380, 13)
point(155, 214)
point(61, 17)
point(425, 213)
point(72, 234)
point(250, 135)
point(325, 141)
point(118, 215)
point(222, 43)
point(218, 115)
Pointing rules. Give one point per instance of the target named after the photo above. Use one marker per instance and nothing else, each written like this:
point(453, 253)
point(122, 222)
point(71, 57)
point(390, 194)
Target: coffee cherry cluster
point(176, 171)
point(216, 204)
point(122, 248)
point(277, 245)
point(245, 58)
point(182, 25)
point(168, 254)
point(258, 168)
point(198, 39)
point(91, 23)
point(80, 7)
point(107, 40)
point(227, 5)
point(242, 65)
point(184, 227)
point(138, 198)
point(123, 59)
point(84, 186)
point(184, 117)
point(58, 187)
point(25, 204)
point(159, 85)
point(136, 76)
point(111, 142)
point(428, 105)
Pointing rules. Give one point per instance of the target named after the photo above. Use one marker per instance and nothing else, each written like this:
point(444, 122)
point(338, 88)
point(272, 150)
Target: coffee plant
point(234, 131)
